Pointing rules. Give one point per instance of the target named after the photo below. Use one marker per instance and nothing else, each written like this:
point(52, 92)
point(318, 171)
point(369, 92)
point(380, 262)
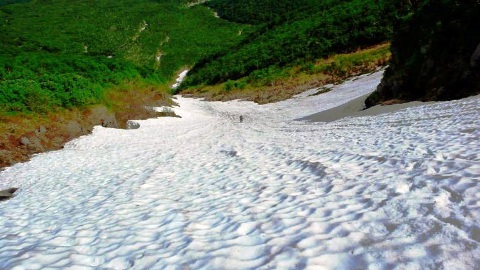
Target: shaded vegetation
point(435, 53)
point(266, 11)
point(68, 53)
point(8, 2)
point(310, 30)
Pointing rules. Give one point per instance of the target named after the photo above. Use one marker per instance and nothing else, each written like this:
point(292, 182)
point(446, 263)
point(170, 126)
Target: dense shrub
point(313, 29)
point(66, 53)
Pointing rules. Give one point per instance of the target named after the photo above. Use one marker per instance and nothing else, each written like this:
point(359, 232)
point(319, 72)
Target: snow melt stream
point(208, 191)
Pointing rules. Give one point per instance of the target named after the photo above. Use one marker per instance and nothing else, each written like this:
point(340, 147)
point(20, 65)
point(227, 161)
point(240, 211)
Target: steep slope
point(66, 53)
point(435, 54)
point(310, 30)
point(68, 65)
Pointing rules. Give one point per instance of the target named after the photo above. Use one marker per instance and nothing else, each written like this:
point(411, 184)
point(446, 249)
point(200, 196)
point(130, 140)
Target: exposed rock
point(100, 115)
point(435, 54)
point(25, 141)
point(475, 59)
point(7, 193)
point(36, 144)
point(132, 125)
point(41, 131)
point(73, 128)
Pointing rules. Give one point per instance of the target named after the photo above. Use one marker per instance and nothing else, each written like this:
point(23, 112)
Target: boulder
point(7, 193)
point(132, 125)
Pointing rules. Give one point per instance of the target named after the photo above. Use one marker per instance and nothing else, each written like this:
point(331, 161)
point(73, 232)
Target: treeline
point(8, 2)
point(317, 31)
point(267, 11)
point(435, 53)
point(67, 53)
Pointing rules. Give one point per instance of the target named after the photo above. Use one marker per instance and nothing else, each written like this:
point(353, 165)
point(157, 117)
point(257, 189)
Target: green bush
point(66, 53)
point(229, 85)
point(24, 95)
point(312, 30)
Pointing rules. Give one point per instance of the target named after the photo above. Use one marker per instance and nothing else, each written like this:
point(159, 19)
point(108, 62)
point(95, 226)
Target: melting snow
point(208, 191)
point(180, 78)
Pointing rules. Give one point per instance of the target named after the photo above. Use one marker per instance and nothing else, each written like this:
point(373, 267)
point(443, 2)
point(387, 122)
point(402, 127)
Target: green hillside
point(67, 53)
point(308, 31)
point(9, 2)
point(265, 11)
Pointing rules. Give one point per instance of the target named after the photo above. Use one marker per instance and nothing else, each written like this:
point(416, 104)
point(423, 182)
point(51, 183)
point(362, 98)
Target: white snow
point(180, 78)
point(206, 191)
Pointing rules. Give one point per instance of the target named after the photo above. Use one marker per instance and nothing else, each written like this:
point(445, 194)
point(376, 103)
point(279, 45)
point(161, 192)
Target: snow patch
point(180, 79)
point(207, 191)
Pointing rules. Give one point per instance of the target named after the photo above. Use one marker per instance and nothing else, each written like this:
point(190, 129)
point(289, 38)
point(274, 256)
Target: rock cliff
point(435, 54)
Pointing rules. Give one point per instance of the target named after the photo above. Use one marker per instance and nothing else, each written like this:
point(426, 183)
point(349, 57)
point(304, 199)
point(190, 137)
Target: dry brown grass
point(27, 134)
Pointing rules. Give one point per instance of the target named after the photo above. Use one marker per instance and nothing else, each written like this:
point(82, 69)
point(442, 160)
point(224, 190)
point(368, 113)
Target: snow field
point(207, 191)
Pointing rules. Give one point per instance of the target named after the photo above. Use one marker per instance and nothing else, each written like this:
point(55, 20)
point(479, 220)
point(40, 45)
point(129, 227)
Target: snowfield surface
point(208, 191)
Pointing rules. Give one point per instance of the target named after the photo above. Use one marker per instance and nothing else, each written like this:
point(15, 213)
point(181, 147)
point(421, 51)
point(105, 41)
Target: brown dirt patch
point(21, 136)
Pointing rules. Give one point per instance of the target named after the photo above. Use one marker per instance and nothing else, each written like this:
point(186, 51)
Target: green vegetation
point(435, 53)
point(308, 31)
point(9, 2)
point(275, 84)
point(68, 53)
point(266, 11)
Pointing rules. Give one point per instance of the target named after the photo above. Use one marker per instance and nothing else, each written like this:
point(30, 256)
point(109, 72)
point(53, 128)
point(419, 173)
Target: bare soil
point(22, 136)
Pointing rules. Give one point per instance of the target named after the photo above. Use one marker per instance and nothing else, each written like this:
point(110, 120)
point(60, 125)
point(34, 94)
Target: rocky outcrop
point(435, 54)
point(54, 135)
point(7, 193)
point(475, 59)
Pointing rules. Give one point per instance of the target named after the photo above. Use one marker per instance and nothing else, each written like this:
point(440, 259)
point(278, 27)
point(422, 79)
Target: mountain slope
point(66, 53)
point(302, 34)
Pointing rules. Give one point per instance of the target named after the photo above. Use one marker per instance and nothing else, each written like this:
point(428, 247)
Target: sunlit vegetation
point(309, 30)
point(275, 84)
point(68, 53)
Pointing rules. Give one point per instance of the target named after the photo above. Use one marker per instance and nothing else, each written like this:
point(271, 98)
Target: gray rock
point(7, 193)
point(36, 144)
point(73, 128)
point(475, 59)
point(132, 125)
point(102, 116)
point(41, 131)
point(25, 141)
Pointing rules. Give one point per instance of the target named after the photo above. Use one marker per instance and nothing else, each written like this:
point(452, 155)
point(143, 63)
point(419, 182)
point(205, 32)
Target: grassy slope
point(329, 27)
point(277, 84)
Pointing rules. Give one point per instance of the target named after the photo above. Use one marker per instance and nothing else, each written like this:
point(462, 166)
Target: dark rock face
point(475, 59)
point(435, 54)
